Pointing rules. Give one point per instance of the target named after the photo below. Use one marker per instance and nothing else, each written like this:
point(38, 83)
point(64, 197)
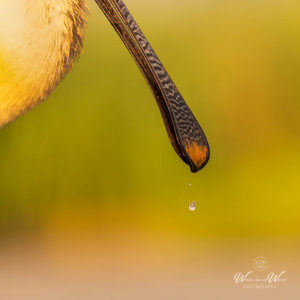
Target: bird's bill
point(184, 131)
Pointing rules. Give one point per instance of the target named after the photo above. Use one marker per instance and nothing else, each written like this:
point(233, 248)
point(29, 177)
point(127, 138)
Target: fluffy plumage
point(39, 41)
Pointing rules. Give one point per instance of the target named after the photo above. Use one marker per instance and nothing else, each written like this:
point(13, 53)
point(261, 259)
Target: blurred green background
point(95, 157)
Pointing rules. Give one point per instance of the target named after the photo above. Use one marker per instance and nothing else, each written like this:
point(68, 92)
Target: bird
point(41, 40)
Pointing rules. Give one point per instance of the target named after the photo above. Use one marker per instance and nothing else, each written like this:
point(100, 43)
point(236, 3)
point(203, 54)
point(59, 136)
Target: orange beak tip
point(198, 155)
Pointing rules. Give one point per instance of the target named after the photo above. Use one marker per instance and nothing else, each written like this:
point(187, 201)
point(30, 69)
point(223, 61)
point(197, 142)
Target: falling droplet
point(193, 206)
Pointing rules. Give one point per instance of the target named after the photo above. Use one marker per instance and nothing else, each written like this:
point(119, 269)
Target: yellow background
point(93, 199)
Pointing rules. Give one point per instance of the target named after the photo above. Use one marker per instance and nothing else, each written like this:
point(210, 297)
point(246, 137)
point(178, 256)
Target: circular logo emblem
point(260, 263)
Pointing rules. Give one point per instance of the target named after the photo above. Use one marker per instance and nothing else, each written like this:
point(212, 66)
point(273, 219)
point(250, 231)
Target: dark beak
point(184, 131)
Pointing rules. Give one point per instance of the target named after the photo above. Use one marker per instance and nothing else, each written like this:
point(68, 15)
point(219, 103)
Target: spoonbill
point(39, 41)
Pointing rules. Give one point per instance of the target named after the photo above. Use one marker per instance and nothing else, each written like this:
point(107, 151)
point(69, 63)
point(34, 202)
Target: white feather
point(39, 40)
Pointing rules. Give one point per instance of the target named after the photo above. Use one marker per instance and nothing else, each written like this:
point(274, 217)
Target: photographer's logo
point(258, 277)
point(260, 263)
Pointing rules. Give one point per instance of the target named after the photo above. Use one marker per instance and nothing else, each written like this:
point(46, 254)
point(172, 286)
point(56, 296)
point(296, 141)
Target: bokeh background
point(93, 199)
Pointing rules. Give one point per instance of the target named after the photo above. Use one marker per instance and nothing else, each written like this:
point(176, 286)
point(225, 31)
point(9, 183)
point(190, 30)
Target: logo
point(260, 263)
point(259, 277)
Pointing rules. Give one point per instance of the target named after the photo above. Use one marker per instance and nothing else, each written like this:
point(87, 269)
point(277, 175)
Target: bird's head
point(39, 41)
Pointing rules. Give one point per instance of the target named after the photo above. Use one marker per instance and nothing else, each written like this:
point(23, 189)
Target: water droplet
point(193, 206)
point(190, 184)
